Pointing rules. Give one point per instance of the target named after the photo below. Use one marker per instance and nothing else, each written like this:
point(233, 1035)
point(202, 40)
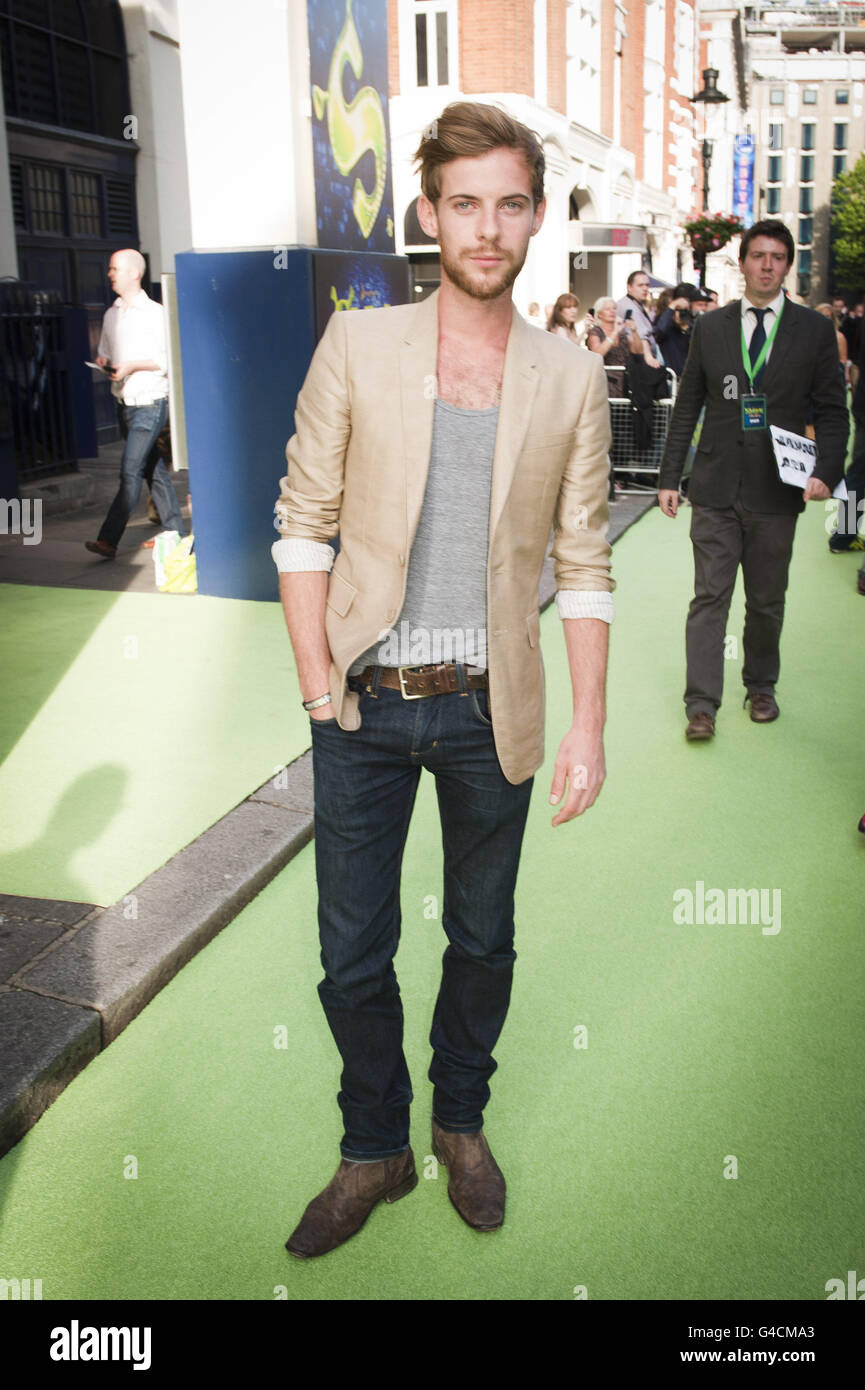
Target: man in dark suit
point(759, 361)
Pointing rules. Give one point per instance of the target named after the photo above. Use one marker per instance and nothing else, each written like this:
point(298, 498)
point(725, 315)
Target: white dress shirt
point(136, 333)
point(749, 319)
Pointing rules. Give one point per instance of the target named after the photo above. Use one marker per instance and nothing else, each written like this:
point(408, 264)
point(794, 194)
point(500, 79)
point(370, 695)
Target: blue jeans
point(141, 426)
point(365, 785)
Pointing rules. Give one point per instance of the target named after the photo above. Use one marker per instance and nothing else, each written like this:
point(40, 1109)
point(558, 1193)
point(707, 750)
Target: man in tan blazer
point(441, 442)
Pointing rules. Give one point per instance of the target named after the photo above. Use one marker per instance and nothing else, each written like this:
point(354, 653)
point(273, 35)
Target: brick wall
point(392, 49)
point(556, 55)
point(496, 46)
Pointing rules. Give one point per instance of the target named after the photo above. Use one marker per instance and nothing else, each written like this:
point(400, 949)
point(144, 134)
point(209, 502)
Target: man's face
point(764, 267)
point(639, 288)
point(121, 274)
point(483, 221)
point(839, 308)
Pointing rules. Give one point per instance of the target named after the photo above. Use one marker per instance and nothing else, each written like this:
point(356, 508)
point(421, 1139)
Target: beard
point(482, 284)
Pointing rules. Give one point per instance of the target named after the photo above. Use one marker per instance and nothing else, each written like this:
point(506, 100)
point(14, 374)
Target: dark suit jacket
point(802, 372)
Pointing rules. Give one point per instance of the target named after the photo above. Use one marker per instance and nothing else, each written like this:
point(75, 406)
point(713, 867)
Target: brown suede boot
point(341, 1209)
point(476, 1185)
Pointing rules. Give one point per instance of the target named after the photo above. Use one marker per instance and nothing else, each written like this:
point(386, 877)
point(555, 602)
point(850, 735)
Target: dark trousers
point(141, 426)
point(724, 539)
point(365, 785)
point(851, 512)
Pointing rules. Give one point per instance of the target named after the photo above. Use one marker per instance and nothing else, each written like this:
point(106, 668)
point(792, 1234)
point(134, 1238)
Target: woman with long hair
point(563, 319)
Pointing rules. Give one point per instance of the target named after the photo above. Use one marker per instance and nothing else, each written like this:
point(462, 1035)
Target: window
point(809, 96)
point(806, 231)
point(803, 286)
point(776, 136)
point(839, 165)
point(431, 43)
point(85, 204)
point(804, 262)
point(806, 200)
point(776, 167)
point(49, 199)
point(808, 129)
point(773, 200)
point(842, 97)
point(776, 96)
point(806, 168)
point(840, 135)
point(65, 64)
point(45, 196)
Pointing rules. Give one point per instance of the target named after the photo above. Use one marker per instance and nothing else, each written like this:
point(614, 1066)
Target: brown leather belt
point(417, 682)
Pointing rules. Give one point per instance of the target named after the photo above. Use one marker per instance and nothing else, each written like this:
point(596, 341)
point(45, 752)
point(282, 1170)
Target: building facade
point(606, 84)
point(807, 102)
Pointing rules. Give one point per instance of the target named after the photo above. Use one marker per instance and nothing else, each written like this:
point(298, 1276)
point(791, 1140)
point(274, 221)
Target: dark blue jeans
point(365, 786)
point(141, 426)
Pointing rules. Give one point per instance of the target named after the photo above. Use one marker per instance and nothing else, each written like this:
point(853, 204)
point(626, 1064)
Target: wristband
point(316, 704)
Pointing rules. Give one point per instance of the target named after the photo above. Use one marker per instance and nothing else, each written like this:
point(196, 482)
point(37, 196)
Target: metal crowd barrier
point(625, 458)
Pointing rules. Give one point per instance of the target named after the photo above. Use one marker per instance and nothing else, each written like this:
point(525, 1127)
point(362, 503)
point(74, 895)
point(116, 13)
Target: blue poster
point(350, 132)
point(345, 281)
point(743, 178)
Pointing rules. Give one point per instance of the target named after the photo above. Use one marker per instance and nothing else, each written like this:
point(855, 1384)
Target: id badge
point(754, 413)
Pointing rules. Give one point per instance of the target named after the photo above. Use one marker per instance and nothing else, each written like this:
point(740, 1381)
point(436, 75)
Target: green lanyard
point(753, 372)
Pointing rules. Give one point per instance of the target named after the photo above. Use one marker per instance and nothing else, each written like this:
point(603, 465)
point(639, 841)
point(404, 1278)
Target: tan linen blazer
point(357, 467)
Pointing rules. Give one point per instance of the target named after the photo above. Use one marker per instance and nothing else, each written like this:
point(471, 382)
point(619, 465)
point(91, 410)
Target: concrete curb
point(58, 1011)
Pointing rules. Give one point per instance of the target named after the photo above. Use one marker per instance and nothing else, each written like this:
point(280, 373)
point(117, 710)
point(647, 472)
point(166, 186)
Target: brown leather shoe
point(476, 1185)
point(102, 548)
point(763, 708)
point(341, 1209)
point(700, 726)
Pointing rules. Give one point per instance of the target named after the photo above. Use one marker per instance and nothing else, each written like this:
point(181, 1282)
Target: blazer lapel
point(418, 359)
point(780, 345)
point(519, 384)
point(733, 341)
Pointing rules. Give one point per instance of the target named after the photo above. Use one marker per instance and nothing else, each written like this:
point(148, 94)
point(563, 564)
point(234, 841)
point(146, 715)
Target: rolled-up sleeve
point(581, 551)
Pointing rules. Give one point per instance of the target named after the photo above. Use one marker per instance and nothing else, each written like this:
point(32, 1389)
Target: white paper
point(796, 458)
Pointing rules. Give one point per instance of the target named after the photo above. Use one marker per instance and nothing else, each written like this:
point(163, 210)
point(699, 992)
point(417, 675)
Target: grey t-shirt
point(444, 615)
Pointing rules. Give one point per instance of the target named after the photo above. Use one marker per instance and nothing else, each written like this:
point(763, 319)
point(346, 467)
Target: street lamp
point(710, 96)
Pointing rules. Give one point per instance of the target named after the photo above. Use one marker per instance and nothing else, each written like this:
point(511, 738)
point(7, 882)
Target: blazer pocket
point(340, 594)
point(533, 627)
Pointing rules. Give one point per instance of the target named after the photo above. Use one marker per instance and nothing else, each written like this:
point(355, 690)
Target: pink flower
point(716, 241)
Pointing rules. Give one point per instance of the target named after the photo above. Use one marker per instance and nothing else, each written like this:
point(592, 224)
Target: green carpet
point(706, 1045)
point(129, 724)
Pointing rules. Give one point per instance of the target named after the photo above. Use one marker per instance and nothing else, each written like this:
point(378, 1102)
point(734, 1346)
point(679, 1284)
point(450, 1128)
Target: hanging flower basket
point(712, 231)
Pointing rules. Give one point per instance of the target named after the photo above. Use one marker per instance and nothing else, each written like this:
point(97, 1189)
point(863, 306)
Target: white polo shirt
point(136, 334)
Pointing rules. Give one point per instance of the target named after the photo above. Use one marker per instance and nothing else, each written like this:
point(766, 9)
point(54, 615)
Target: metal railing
point(33, 344)
point(625, 458)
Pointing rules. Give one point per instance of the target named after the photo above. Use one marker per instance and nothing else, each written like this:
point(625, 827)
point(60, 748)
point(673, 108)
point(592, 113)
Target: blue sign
point(743, 178)
point(350, 132)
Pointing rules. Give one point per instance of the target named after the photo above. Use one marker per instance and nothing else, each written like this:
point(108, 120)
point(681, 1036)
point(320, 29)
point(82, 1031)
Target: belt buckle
point(403, 691)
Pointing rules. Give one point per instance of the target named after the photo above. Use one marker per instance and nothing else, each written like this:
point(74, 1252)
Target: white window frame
point(408, 10)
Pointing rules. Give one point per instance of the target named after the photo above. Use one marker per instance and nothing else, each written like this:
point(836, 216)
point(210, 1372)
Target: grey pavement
point(73, 975)
point(73, 507)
